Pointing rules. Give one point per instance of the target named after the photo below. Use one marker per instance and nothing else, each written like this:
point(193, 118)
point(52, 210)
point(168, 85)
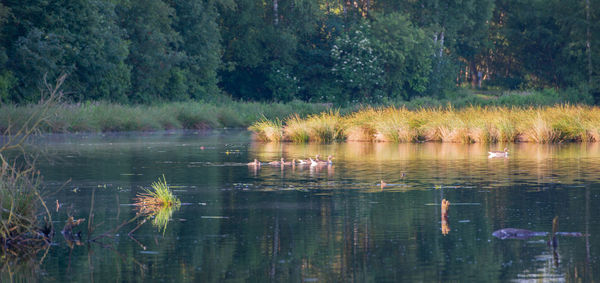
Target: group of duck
point(282, 162)
point(329, 161)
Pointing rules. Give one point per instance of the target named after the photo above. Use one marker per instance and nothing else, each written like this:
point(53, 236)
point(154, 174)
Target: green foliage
point(377, 52)
point(197, 24)
point(282, 83)
point(359, 71)
point(152, 53)
point(7, 83)
point(406, 55)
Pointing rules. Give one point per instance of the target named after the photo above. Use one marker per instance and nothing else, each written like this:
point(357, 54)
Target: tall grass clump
point(398, 125)
point(268, 130)
point(158, 203)
point(19, 203)
point(476, 124)
point(325, 127)
point(296, 129)
point(360, 125)
point(160, 196)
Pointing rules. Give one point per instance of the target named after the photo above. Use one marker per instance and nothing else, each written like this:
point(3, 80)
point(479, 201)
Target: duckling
point(328, 162)
point(498, 153)
point(254, 163)
point(277, 162)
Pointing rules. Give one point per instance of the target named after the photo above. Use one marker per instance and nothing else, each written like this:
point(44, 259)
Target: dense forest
point(368, 51)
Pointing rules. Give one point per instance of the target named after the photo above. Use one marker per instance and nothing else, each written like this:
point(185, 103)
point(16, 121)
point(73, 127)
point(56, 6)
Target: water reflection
point(329, 223)
point(445, 228)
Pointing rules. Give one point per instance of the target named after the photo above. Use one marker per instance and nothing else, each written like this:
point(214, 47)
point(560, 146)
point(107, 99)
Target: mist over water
point(321, 223)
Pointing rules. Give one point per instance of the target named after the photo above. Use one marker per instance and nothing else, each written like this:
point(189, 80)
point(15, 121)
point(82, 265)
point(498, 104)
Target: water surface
point(322, 223)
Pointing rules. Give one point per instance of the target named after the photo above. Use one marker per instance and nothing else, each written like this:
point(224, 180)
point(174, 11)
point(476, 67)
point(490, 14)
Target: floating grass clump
point(158, 203)
point(160, 196)
point(475, 124)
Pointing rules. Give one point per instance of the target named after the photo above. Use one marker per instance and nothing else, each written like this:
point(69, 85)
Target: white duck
point(498, 153)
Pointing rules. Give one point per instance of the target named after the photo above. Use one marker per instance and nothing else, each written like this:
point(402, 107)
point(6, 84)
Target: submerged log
point(523, 234)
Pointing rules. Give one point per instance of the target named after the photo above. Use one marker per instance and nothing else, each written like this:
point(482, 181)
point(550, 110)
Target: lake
point(317, 223)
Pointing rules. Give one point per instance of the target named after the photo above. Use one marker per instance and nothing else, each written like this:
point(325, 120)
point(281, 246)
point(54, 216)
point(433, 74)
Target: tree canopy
point(363, 51)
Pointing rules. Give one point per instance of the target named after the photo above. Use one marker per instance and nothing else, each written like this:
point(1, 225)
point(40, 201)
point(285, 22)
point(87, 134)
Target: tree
point(153, 51)
point(197, 25)
point(406, 55)
point(358, 69)
point(79, 37)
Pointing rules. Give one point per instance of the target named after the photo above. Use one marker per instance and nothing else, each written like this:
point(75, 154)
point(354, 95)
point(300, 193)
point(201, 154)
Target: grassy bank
point(107, 117)
point(110, 117)
point(467, 125)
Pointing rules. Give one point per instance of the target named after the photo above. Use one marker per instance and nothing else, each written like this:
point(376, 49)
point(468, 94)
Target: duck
point(254, 163)
point(277, 162)
point(328, 162)
point(498, 153)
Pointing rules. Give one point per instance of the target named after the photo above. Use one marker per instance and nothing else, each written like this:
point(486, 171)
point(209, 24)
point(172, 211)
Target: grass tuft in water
point(160, 196)
point(158, 203)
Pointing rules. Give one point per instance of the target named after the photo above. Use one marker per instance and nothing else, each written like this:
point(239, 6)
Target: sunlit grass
point(159, 203)
point(325, 127)
point(560, 123)
point(268, 130)
point(296, 129)
point(159, 196)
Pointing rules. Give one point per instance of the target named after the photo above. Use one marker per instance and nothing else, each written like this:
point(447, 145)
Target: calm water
point(319, 224)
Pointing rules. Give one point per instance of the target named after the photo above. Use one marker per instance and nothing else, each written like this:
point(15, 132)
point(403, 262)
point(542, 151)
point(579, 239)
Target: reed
point(325, 127)
point(18, 205)
point(20, 200)
point(360, 125)
point(475, 124)
point(296, 129)
point(268, 130)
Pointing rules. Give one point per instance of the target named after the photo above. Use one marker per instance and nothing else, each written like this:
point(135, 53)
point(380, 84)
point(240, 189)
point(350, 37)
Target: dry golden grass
point(267, 130)
point(560, 123)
